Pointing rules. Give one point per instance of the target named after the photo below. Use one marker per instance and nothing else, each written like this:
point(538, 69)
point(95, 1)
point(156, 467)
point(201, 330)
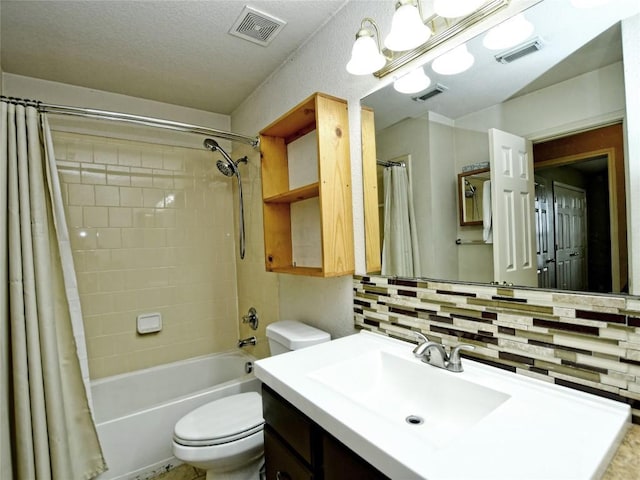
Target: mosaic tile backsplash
point(582, 341)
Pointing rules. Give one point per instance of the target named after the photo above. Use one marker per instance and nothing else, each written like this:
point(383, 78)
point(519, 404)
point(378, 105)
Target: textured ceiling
point(177, 52)
point(180, 52)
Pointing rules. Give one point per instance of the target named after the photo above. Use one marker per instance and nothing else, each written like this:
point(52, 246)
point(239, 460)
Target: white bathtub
point(135, 412)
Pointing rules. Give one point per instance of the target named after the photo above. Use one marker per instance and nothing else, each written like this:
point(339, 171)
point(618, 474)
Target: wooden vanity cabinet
point(282, 463)
point(296, 448)
point(306, 190)
point(339, 462)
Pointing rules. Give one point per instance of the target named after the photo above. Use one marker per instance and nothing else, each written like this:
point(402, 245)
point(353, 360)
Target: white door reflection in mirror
point(512, 203)
point(545, 247)
point(570, 204)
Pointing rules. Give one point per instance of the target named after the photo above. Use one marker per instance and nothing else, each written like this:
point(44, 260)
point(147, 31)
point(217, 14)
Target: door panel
point(545, 251)
point(570, 206)
point(512, 194)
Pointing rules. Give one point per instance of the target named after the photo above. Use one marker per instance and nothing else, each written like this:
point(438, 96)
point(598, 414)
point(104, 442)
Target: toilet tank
point(287, 335)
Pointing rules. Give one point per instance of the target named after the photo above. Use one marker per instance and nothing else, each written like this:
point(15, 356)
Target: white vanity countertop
point(538, 431)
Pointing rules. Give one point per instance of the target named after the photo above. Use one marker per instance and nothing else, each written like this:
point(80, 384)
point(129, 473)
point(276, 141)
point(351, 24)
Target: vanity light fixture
point(456, 8)
point(410, 37)
point(413, 82)
point(454, 61)
point(366, 55)
point(509, 33)
point(408, 30)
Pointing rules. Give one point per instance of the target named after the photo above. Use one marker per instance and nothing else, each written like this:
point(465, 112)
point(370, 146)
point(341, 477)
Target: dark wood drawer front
point(281, 463)
point(341, 463)
point(290, 423)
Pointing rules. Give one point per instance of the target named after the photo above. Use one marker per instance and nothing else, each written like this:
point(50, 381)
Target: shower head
point(211, 144)
point(227, 166)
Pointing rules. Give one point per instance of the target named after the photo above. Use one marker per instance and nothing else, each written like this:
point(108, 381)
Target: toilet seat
point(222, 421)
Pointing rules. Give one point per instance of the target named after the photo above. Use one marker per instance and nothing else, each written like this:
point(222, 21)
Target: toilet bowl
point(222, 436)
point(225, 437)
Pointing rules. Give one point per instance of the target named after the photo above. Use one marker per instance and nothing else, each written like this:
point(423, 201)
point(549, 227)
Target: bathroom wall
point(443, 252)
point(319, 65)
point(595, 97)
point(151, 230)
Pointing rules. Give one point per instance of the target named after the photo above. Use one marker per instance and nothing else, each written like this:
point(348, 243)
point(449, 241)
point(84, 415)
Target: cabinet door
point(339, 462)
point(282, 463)
point(294, 427)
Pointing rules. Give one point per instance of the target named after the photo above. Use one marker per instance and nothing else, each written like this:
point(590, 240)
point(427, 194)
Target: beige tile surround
point(584, 341)
point(256, 287)
point(152, 230)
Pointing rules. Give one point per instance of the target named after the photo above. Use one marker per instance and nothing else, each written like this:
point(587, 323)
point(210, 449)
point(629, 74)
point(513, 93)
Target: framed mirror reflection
point(473, 195)
point(566, 226)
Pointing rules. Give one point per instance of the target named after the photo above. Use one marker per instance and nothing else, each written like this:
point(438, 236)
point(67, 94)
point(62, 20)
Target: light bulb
point(408, 31)
point(365, 56)
point(412, 82)
point(509, 33)
point(455, 61)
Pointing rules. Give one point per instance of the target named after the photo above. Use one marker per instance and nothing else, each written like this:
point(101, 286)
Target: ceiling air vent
point(520, 51)
point(256, 26)
point(437, 90)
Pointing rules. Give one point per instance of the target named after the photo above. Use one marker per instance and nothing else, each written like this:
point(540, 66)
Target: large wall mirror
point(552, 117)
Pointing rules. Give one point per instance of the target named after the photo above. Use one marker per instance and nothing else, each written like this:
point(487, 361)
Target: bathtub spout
point(243, 342)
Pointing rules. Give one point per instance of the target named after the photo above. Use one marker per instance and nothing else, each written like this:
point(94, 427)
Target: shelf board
point(295, 195)
point(310, 271)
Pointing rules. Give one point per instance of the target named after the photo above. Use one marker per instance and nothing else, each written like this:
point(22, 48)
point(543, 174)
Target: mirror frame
point(461, 197)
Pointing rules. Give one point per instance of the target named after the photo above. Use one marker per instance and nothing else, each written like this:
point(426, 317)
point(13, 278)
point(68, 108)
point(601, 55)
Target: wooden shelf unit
point(328, 117)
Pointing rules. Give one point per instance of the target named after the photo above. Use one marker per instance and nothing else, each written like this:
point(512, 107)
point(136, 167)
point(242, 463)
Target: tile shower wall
point(151, 231)
point(587, 342)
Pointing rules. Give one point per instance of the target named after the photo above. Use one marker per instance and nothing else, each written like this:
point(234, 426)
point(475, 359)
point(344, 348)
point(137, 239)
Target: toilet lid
point(221, 421)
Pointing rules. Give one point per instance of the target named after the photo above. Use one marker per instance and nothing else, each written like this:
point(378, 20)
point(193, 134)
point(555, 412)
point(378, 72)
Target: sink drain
point(414, 420)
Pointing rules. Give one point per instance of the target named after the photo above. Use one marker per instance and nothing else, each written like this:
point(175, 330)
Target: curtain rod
point(390, 163)
point(130, 118)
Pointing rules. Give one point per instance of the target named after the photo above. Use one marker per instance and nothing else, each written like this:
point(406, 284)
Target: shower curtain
point(46, 427)
point(400, 254)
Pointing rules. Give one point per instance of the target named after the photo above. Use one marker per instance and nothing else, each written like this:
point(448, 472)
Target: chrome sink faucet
point(435, 354)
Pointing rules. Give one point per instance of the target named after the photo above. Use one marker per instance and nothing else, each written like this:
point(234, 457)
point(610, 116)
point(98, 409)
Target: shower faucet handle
point(251, 318)
point(244, 342)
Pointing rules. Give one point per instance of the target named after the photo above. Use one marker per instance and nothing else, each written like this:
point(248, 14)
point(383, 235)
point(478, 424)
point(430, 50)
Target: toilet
point(225, 437)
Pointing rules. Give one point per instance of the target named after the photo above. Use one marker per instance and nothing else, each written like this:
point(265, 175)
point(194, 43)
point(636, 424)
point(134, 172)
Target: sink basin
point(432, 403)
point(362, 388)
